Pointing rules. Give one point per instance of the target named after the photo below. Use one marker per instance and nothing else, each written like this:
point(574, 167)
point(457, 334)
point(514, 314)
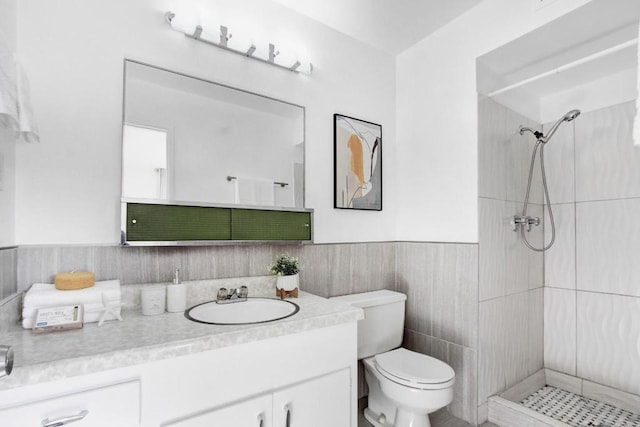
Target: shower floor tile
point(578, 411)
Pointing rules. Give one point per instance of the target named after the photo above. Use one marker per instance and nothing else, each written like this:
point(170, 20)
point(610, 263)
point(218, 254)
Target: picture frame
point(357, 164)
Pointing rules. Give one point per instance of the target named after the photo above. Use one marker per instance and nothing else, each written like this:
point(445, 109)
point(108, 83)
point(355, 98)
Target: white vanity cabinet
point(313, 374)
point(320, 402)
point(303, 379)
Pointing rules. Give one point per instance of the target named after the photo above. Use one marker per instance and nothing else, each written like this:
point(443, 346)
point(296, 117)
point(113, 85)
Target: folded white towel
point(42, 295)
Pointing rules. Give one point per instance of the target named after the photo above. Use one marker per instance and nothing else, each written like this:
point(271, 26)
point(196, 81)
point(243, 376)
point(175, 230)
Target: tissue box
point(58, 319)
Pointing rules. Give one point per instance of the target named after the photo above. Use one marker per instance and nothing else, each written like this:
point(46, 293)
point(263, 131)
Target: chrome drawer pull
point(287, 408)
point(64, 420)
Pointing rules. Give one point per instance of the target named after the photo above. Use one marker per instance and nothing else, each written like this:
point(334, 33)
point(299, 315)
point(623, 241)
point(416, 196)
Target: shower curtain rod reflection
point(281, 184)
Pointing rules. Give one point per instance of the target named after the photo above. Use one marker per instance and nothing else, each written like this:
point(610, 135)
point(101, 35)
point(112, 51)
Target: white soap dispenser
point(176, 295)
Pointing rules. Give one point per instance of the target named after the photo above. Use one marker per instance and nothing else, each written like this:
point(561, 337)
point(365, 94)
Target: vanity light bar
point(249, 53)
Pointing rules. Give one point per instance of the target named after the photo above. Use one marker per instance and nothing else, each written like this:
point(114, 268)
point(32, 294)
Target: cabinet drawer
point(114, 405)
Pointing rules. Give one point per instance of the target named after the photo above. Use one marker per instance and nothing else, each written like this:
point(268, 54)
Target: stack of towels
point(42, 295)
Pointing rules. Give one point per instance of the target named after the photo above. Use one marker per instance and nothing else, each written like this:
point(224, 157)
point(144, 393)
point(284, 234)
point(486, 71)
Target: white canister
point(287, 283)
point(176, 298)
point(153, 300)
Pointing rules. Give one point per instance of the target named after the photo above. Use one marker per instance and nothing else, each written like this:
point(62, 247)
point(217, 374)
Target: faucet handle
point(243, 292)
point(222, 294)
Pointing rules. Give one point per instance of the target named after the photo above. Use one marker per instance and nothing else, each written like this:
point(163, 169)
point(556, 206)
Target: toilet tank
point(383, 324)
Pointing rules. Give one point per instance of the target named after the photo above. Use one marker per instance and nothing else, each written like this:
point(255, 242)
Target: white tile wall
point(592, 327)
point(535, 359)
point(559, 163)
point(504, 154)
point(511, 277)
point(504, 260)
point(491, 339)
point(560, 330)
point(518, 160)
point(509, 332)
point(607, 162)
point(609, 340)
point(492, 139)
point(608, 245)
point(560, 259)
point(535, 259)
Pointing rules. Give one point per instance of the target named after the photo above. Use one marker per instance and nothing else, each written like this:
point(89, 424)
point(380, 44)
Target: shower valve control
point(524, 221)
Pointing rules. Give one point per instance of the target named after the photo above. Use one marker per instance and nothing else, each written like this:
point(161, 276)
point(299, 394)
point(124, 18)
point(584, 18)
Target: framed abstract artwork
point(357, 164)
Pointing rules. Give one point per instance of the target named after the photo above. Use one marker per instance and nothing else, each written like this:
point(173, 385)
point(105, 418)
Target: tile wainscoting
point(8, 271)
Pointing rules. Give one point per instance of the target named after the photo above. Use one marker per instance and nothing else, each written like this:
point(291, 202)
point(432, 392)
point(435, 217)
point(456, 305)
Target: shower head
point(570, 116)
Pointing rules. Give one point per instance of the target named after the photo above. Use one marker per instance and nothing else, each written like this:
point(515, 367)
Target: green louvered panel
point(248, 224)
point(159, 223)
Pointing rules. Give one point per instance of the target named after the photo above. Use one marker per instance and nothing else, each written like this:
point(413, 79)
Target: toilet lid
point(419, 369)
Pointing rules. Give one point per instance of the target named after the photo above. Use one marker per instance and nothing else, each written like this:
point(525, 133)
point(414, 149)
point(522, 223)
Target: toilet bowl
point(404, 387)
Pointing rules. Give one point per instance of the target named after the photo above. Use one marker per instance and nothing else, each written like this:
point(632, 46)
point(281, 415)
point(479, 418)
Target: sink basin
point(253, 310)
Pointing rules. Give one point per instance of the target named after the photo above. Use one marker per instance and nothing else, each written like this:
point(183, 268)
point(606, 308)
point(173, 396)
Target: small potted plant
point(287, 269)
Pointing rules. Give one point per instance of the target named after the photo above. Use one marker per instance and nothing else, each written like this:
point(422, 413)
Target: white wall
point(7, 137)
point(68, 186)
point(437, 117)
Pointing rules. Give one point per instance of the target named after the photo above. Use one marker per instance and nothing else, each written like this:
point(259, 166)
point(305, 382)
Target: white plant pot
point(287, 283)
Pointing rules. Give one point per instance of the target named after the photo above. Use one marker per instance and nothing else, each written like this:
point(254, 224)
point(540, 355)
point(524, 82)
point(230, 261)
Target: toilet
point(404, 386)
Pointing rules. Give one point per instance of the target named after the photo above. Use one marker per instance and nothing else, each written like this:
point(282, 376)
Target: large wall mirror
point(189, 140)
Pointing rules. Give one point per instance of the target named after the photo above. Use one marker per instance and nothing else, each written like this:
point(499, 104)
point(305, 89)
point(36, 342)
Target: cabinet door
point(248, 413)
point(160, 223)
point(321, 402)
point(249, 224)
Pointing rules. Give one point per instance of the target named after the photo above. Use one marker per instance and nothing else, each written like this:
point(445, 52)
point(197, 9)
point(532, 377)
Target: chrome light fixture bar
point(225, 36)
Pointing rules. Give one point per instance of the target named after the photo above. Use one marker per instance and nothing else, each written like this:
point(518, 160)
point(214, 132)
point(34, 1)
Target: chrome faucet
point(6, 360)
point(235, 295)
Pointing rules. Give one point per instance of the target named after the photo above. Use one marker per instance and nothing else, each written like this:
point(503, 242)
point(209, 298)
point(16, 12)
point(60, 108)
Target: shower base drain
point(578, 411)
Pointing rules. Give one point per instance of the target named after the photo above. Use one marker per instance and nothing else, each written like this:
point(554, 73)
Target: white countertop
point(141, 339)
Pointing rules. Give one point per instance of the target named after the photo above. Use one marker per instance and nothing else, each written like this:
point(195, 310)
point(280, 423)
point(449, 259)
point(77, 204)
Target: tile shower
point(586, 318)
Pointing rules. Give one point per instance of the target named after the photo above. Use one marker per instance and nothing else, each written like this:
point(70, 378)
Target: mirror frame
point(125, 200)
point(225, 86)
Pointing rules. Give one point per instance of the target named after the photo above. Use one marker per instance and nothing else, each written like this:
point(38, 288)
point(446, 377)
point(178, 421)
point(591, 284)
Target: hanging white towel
point(16, 112)
point(8, 89)
point(27, 128)
point(251, 191)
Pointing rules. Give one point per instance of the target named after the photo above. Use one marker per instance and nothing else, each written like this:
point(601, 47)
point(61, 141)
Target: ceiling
point(389, 25)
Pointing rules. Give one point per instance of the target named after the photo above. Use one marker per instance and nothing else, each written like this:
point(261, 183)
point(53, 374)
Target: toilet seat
point(414, 370)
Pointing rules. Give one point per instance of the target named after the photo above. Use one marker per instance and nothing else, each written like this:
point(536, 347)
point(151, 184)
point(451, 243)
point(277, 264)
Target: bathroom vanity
point(166, 370)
